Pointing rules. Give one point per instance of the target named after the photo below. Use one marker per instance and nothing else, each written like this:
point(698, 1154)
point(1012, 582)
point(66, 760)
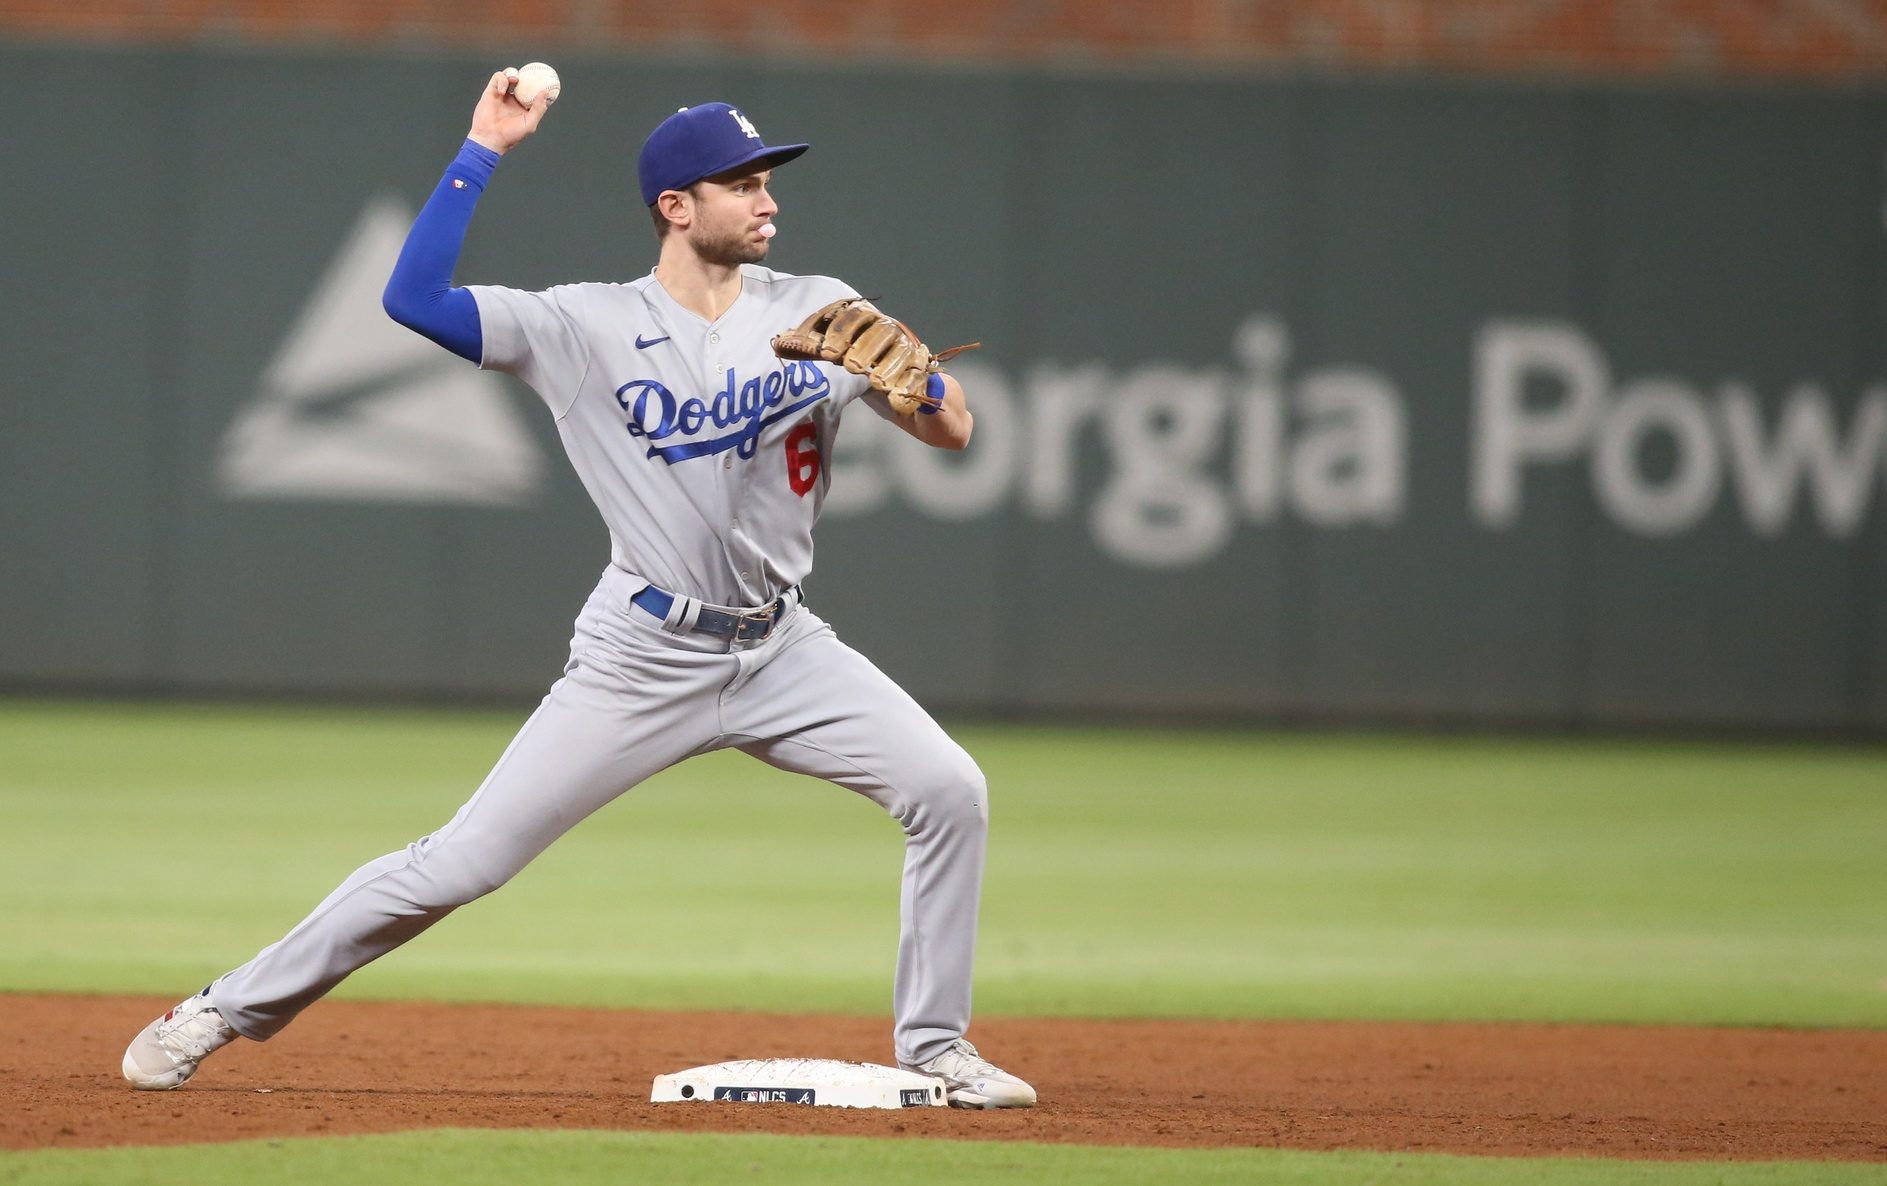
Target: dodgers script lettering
point(737, 413)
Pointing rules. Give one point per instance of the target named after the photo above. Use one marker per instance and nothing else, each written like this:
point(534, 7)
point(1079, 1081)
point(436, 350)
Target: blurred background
point(1454, 363)
point(1463, 368)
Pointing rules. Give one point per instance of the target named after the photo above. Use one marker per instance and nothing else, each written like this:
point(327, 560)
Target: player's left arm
point(949, 426)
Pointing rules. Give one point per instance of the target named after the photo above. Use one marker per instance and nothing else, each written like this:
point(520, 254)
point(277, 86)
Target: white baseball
point(534, 79)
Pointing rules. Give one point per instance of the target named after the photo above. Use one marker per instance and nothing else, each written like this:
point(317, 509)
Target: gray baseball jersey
point(705, 455)
point(704, 452)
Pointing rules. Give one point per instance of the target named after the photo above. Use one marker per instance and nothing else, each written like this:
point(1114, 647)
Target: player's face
point(729, 211)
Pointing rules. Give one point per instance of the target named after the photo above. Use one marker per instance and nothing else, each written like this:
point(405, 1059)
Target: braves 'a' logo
point(737, 412)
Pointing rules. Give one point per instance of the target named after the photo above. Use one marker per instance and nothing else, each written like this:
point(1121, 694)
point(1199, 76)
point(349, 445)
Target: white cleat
point(973, 1082)
point(168, 1050)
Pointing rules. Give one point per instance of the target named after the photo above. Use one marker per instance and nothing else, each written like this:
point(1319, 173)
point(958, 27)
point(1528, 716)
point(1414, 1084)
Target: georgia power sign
point(1191, 452)
point(355, 408)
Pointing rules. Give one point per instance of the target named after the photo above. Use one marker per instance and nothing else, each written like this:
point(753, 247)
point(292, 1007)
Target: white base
point(822, 1081)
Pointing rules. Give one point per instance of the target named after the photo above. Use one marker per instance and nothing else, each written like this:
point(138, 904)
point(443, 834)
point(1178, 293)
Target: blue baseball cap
point(698, 142)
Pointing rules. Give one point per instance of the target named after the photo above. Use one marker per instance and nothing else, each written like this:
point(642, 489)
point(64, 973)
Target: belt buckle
point(762, 620)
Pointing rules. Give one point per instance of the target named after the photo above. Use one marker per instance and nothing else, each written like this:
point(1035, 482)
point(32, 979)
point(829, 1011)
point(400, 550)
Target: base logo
point(766, 1095)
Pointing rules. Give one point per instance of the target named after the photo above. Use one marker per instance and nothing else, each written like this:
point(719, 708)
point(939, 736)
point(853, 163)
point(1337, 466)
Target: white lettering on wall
point(1805, 456)
point(974, 482)
point(1656, 506)
point(1508, 434)
point(1348, 465)
point(1159, 506)
point(1162, 463)
point(1805, 450)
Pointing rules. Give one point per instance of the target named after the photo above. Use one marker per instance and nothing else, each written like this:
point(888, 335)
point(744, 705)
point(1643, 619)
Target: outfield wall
point(1418, 399)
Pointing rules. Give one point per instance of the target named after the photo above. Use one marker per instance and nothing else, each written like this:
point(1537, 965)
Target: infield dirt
point(1501, 1089)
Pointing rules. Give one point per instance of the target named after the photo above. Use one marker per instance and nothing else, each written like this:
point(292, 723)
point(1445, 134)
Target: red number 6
point(802, 463)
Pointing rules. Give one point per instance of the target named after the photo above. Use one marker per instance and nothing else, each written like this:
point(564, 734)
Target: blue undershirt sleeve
point(419, 294)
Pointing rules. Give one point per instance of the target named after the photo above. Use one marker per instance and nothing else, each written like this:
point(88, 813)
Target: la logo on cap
point(746, 125)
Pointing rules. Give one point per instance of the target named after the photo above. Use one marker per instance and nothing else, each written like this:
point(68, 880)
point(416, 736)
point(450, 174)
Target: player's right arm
point(419, 294)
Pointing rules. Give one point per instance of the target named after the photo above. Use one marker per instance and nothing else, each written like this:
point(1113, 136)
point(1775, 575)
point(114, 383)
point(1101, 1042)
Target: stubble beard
point(729, 249)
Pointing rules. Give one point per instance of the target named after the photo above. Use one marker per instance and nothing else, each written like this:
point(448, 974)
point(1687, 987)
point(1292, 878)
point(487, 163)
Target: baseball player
point(707, 454)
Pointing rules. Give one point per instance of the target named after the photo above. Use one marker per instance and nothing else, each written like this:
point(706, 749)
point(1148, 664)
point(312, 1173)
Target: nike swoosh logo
point(642, 345)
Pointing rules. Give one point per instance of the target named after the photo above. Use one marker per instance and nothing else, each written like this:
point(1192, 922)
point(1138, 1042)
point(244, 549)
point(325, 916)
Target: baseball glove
point(883, 349)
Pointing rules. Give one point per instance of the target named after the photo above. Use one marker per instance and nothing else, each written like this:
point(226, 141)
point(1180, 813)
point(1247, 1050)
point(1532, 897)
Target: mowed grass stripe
point(505, 1158)
point(1132, 872)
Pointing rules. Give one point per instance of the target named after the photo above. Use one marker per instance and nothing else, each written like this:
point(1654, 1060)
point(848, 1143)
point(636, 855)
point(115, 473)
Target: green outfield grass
point(1132, 872)
point(609, 1159)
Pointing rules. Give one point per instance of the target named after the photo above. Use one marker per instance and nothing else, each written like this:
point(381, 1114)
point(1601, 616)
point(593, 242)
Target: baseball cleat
point(973, 1082)
point(168, 1050)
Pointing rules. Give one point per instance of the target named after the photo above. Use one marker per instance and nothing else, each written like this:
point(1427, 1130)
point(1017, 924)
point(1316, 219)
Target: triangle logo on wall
point(357, 408)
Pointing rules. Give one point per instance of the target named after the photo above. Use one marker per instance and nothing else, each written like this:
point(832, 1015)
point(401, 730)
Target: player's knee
point(452, 875)
point(461, 885)
point(957, 796)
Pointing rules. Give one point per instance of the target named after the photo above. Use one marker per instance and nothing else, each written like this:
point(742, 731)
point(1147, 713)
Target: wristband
point(934, 388)
point(474, 165)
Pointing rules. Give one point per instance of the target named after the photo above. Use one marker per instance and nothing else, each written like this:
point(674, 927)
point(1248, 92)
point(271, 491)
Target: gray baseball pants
point(635, 698)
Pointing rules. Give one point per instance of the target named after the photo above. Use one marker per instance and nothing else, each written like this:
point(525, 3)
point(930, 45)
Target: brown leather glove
point(854, 333)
